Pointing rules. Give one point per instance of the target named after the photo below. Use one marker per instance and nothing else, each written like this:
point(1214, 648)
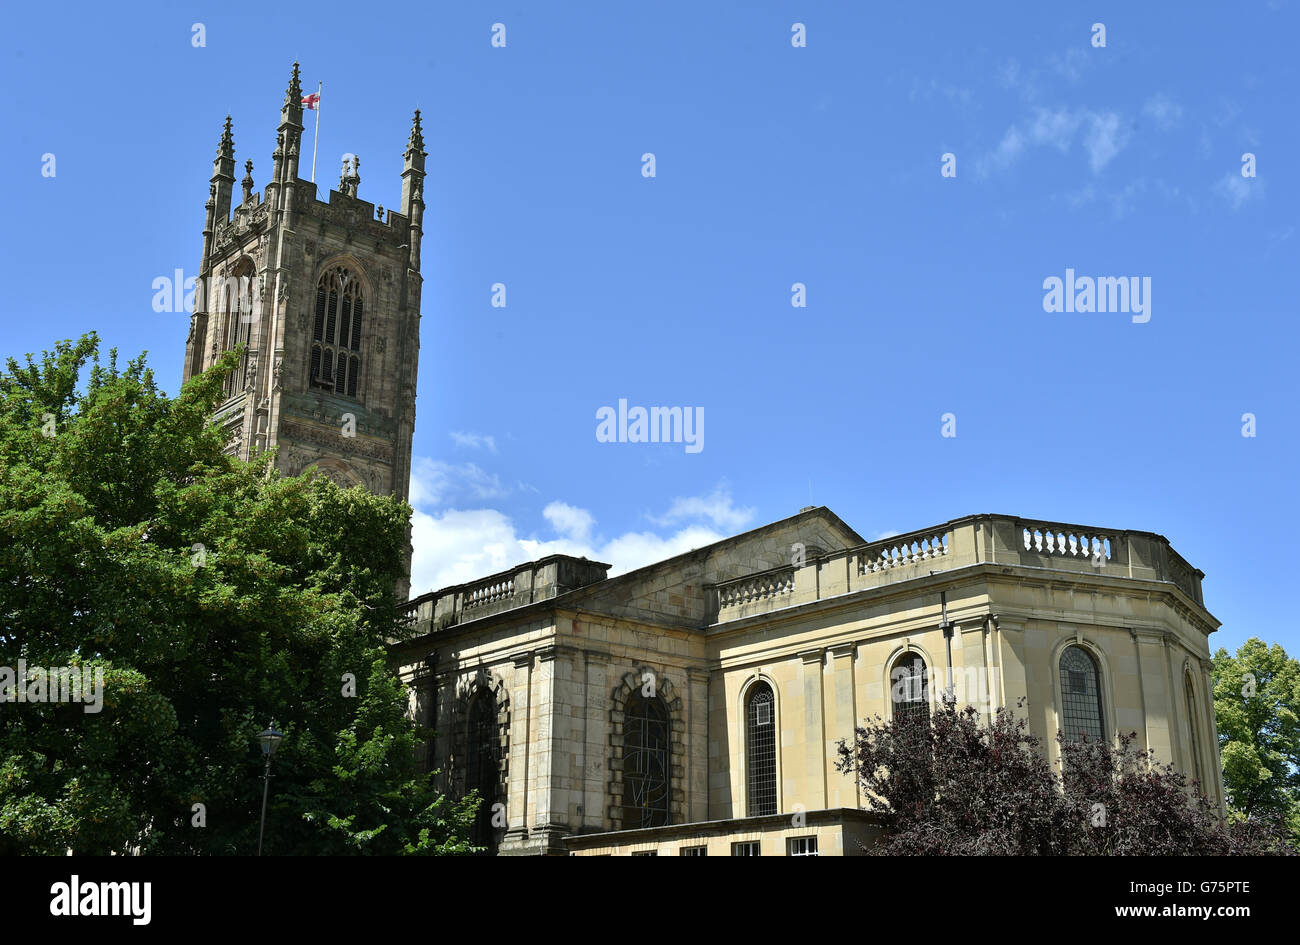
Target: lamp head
point(270, 740)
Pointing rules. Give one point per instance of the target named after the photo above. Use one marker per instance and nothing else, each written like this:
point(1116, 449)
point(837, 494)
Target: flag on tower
point(312, 101)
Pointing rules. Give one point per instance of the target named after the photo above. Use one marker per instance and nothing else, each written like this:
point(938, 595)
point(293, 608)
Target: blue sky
point(774, 165)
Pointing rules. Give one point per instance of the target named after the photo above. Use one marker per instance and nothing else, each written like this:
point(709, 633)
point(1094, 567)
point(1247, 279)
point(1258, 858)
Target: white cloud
point(1008, 151)
point(1054, 127)
point(1070, 64)
point(459, 546)
point(1236, 189)
point(1104, 139)
point(474, 441)
point(571, 522)
point(456, 545)
point(716, 507)
point(436, 482)
point(1163, 110)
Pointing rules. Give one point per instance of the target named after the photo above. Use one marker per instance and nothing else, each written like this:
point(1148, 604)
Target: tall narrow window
point(236, 293)
point(1081, 715)
point(909, 688)
point(482, 765)
point(1191, 728)
point(645, 762)
point(336, 332)
point(760, 750)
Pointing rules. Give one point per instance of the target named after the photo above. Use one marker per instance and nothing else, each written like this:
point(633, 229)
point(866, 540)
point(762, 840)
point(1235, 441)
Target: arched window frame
point(1107, 692)
point(751, 687)
point(483, 759)
point(338, 330)
point(909, 652)
point(632, 683)
point(1097, 701)
point(236, 323)
point(457, 722)
point(647, 761)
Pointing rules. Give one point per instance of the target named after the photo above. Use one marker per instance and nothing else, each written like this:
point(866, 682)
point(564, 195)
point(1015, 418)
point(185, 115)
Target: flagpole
point(320, 87)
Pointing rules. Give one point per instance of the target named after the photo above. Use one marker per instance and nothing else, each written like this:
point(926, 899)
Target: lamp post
point(950, 693)
point(270, 740)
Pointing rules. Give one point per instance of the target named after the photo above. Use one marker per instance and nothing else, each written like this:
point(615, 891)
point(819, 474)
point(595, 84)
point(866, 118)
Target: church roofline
point(819, 511)
point(504, 574)
point(1005, 541)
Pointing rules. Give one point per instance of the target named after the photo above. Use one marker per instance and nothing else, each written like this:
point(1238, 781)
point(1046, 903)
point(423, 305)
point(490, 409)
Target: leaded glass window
point(909, 688)
point(237, 321)
point(336, 332)
point(645, 762)
point(760, 750)
point(1081, 714)
point(483, 764)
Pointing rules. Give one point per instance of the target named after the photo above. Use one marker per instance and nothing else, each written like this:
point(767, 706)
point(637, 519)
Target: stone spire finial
point(417, 135)
point(226, 149)
point(247, 182)
point(293, 94)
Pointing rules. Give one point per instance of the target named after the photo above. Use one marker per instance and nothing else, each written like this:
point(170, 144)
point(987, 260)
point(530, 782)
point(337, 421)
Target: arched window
point(1191, 727)
point(760, 750)
point(909, 688)
point(483, 764)
point(336, 332)
point(237, 321)
point(645, 762)
point(1081, 715)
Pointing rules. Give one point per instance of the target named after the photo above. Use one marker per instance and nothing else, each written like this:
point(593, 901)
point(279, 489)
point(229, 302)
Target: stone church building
point(691, 707)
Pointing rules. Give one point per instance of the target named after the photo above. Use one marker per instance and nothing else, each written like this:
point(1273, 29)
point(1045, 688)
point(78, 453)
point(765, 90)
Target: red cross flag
point(311, 102)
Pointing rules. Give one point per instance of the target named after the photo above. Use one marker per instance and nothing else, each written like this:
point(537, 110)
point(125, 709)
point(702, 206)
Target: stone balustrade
point(963, 542)
point(897, 551)
point(489, 593)
point(767, 585)
point(1067, 540)
point(516, 587)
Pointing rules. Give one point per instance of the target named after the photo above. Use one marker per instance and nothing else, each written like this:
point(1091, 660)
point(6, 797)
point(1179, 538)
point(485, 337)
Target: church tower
point(325, 299)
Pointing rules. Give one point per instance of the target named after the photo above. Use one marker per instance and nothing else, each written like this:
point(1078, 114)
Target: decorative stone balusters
point(1067, 541)
point(756, 587)
point(902, 550)
point(489, 593)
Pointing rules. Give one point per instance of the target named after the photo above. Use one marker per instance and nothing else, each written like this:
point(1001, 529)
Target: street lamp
point(270, 740)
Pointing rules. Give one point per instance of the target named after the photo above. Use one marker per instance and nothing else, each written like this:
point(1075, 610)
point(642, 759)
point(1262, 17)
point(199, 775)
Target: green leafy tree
point(1256, 701)
point(216, 596)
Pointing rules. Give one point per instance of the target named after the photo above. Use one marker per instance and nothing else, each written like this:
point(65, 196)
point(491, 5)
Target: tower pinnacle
point(293, 94)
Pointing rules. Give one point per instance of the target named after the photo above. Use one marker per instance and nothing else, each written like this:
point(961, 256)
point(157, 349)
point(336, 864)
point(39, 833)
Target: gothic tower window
point(645, 762)
point(760, 750)
point(909, 688)
point(483, 764)
point(1081, 715)
point(336, 332)
point(237, 321)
